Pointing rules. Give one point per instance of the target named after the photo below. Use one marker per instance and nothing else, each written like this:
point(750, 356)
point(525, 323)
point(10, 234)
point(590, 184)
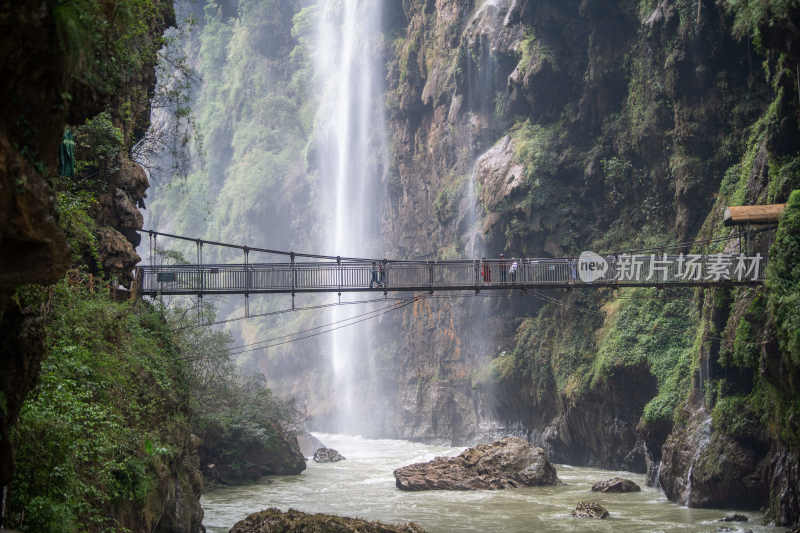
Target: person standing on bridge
point(382, 273)
point(486, 271)
point(513, 270)
point(374, 275)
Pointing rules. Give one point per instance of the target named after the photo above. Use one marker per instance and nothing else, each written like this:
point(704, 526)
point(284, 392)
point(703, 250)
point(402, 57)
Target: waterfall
point(702, 439)
point(470, 223)
point(351, 158)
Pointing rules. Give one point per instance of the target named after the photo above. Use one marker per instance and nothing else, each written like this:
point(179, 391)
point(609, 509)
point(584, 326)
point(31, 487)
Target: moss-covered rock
point(292, 521)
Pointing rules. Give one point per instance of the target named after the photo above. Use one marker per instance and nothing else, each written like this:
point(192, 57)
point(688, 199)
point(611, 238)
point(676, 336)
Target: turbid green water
point(363, 486)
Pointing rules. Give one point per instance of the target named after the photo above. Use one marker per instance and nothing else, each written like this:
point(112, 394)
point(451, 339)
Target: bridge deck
point(348, 276)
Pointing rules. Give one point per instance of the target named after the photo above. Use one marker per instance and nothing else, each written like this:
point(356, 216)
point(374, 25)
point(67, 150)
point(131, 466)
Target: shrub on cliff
point(104, 428)
point(783, 280)
point(242, 427)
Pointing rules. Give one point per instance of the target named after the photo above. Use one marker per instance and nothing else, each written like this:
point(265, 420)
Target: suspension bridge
point(312, 273)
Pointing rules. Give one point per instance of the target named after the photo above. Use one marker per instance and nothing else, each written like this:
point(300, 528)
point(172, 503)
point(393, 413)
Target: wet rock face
point(616, 484)
point(785, 486)
point(704, 469)
point(590, 510)
point(507, 463)
point(291, 521)
point(600, 428)
point(499, 174)
point(249, 459)
point(327, 455)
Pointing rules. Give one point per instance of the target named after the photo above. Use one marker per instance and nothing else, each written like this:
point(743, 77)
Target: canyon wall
point(536, 128)
point(89, 68)
point(604, 127)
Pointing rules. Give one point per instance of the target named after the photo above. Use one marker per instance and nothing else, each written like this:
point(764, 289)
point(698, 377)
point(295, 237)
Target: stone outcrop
point(327, 455)
point(616, 484)
point(501, 179)
point(247, 460)
point(600, 428)
point(590, 510)
point(508, 463)
point(48, 92)
point(701, 468)
point(734, 518)
point(291, 521)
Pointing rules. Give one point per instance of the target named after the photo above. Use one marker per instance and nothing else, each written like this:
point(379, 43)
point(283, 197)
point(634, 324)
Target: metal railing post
point(200, 265)
point(294, 276)
point(247, 281)
point(385, 279)
point(430, 275)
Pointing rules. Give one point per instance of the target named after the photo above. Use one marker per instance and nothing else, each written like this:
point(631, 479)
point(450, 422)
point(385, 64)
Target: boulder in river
point(327, 455)
point(590, 510)
point(291, 521)
point(507, 463)
point(616, 484)
point(734, 518)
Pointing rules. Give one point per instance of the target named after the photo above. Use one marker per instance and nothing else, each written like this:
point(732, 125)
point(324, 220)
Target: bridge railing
point(620, 270)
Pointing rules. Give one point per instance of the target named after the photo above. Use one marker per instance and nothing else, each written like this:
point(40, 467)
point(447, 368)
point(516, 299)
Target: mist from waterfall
point(351, 156)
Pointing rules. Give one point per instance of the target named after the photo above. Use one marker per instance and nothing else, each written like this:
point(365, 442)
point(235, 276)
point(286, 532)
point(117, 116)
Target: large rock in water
point(327, 455)
point(291, 521)
point(590, 510)
point(510, 462)
point(616, 484)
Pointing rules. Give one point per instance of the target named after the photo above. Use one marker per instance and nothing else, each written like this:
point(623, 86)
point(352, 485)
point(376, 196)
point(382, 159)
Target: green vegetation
point(446, 204)
point(752, 16)
point(534, 147)
point(73, 207)
point(533, 51)
point(98, 144)
point(98, 147)
point(547, 358)
point(657, 331)
point(108, 417)
point(783, 281)
point(764, 403)
point(254, 138)
point(122, 388)
point(231, 413)
point(108, 46)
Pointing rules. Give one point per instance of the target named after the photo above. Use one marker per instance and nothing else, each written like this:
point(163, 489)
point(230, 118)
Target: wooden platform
point(753, 214)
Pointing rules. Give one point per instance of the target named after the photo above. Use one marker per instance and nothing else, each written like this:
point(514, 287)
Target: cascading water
point(702, 439)
point(471, 237)
point(351, 155)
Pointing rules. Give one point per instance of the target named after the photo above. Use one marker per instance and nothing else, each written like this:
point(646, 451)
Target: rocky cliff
point(89, 67)
point(537, 128)
point(607, 127)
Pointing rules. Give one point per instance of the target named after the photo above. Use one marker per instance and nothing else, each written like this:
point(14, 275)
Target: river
point(363, 486)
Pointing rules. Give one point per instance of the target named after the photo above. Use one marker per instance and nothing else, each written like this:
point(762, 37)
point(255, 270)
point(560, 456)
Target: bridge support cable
point(299, 335)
